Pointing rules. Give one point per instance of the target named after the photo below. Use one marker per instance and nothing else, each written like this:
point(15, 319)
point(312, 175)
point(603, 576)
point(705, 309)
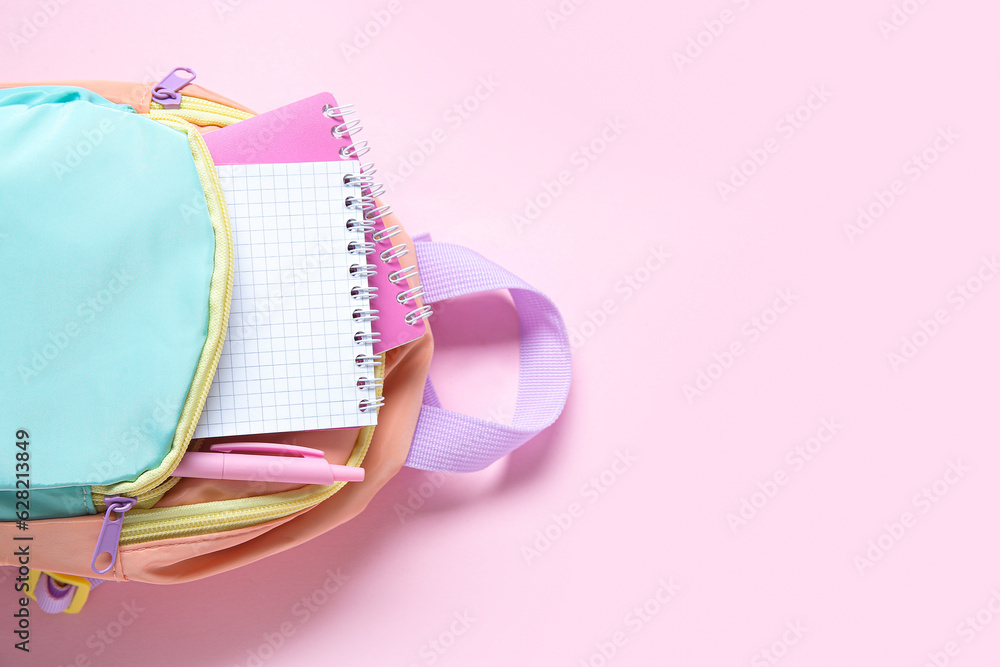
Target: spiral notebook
point(298, 353)
point(317, 129)
point(305, 219)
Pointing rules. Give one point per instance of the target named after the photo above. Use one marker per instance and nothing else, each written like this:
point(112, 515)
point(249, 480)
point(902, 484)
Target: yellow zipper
point(203, 112)
point(146, 523)
point(152, 484)
point(222, 515)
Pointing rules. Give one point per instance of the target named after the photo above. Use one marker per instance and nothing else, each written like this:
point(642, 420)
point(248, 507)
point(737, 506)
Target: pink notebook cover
point(300, 132)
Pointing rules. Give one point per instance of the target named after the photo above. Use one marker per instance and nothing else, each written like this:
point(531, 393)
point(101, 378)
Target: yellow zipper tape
point(203, 112)
point(220, 295)
point(148, 524)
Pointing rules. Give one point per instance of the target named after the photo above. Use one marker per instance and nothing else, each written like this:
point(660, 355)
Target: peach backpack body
point(84, 502)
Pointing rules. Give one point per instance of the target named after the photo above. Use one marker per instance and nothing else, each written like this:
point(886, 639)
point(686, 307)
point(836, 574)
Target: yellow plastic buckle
point(79, 597)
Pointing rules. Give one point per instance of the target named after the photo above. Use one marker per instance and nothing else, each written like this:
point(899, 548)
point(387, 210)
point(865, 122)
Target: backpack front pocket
point(115, 279)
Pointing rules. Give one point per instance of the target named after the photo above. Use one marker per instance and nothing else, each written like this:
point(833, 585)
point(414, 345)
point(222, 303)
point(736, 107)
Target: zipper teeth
point(153, 490)
point(150, 530)
point(206, 387)
point(201, 104)
point(150, 496)
point(145, 527)
point(197, 105)
point(214, 204)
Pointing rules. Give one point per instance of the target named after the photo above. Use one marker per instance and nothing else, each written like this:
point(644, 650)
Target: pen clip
point(266, 448)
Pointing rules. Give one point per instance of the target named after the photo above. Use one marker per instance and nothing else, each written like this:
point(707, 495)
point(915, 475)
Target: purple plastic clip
point(111, 530)
point(166, 91)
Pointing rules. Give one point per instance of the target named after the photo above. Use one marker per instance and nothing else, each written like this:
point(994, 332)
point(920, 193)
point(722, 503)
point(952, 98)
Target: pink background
point(879, 548)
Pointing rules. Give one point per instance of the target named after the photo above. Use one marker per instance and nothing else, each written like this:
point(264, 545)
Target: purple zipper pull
point(166, 91)
point(111, 530)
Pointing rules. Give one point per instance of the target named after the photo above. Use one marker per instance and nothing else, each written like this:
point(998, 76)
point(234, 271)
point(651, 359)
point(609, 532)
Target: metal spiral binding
point(410, 294)
point(362, 203)
point(331, 111)
point(376, 190)
point(355, 151)
point(397, 277)
point(380, 212)
point(367, 405)
point(369, 383)
point(362, 338)
point(372, 212)
point(370, 215)
point(394, 253)
point(365, 178)
point(385, 233)
point(421, 313)
point(367, 201)
point(361, 247)
point(345, 128)
point(367, 360)
point(361, 226)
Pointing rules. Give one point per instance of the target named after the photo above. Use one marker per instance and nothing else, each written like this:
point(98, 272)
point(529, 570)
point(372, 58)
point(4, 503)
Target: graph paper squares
point(288, 363)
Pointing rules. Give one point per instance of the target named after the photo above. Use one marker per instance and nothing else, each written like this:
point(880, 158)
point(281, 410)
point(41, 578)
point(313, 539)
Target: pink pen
point(245, 461)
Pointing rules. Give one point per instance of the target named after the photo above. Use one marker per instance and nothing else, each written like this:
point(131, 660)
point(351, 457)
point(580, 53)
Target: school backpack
point(116, 261)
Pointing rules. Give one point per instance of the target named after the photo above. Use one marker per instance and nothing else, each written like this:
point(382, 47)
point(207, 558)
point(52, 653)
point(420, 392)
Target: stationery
point(317, 129)
point(298, 353)
point(252, 461)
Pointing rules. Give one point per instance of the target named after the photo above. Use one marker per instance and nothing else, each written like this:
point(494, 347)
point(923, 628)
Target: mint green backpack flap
point(114, 285)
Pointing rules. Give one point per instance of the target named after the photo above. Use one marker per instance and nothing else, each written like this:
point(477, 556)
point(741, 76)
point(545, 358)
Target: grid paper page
point(288, 363)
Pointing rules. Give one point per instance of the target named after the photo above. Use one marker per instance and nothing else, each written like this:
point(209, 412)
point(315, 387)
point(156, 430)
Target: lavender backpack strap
point(453, 442)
